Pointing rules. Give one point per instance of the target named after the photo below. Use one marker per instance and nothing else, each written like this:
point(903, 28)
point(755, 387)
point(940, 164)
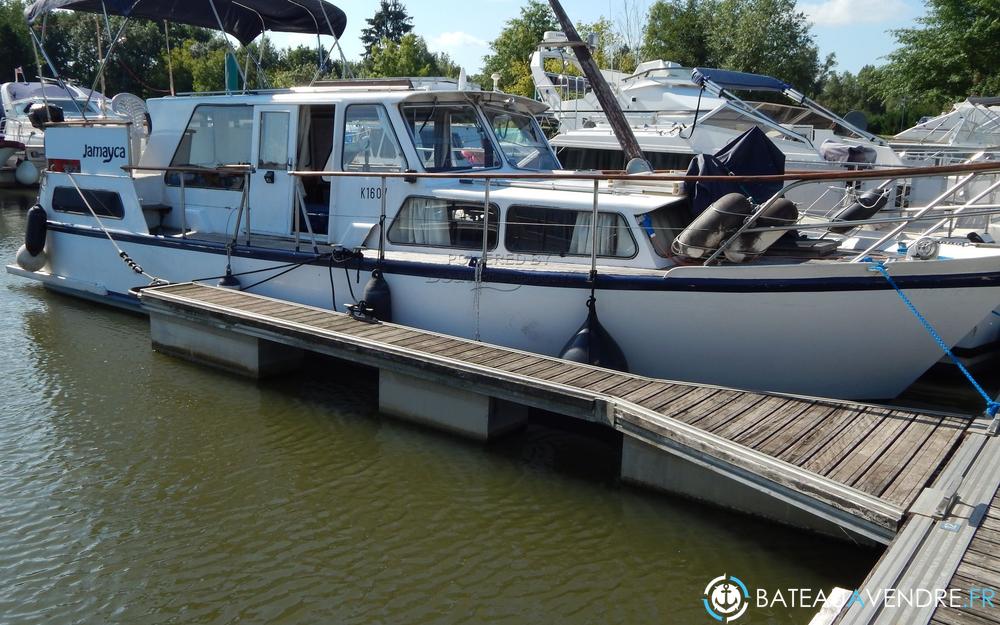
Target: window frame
point(264, 126)
point(171, 179)
point(621, 216)
point(483, 126)
point(93, 200)
point(534, 122)
point(494, 208)
point(388, 124)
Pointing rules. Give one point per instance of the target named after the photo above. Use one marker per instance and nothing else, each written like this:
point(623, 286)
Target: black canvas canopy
point(750, 154)
point(243, 19)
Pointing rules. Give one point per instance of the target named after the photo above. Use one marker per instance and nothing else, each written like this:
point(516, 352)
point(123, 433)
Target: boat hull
point(832, 330)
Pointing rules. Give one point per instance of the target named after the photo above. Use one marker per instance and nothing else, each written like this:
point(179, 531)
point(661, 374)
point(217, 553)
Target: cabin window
point(537, 230)
point(449, 137)
point(522, 141)
point(443, 223)
point(614, 160)
point(273, 140)
point(215, 137)
point(663, 225)
point(369, 141)
point(105, 203)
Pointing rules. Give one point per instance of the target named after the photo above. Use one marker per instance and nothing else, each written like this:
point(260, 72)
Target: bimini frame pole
point(104, 64)
point(262, 82)
point(323, 57)
point(821, 110)
point(39, 48)
point(346, 70)
point(229, 45)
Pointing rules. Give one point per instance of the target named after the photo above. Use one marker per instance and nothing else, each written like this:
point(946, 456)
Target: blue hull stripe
point(579, 279)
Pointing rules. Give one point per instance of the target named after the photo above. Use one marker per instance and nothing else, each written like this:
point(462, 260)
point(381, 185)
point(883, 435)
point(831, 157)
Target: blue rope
point(992, 407)
point(996, 313)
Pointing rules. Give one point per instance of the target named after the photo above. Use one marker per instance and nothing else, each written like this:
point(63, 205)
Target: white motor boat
point(677, 113)
point(449, 204)
point(9, 150)
point(969, 131)
point(68, 103)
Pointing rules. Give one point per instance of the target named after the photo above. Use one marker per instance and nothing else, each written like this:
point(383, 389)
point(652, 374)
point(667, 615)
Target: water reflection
point(140, 488)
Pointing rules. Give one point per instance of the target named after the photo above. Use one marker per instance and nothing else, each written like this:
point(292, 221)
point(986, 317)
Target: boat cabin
point(227, 165)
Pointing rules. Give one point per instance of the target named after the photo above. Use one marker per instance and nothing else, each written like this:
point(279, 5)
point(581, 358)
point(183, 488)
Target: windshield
point(449, 137)
point(521, 140)
point(71, 108)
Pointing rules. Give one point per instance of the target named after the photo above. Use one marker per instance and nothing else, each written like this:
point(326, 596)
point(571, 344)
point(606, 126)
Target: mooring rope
point(134, 266)
point(992, 406)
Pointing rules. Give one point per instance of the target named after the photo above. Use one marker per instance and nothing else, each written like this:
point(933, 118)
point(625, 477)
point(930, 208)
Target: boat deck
point(857, 466)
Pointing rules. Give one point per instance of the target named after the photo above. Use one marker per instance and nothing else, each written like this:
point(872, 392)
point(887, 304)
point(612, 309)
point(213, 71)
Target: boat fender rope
point(992, 406)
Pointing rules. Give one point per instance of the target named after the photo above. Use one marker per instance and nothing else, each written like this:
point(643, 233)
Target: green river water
point(137, 488)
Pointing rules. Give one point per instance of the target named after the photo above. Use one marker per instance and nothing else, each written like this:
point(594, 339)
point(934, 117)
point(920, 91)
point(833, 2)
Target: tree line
point(952, 53)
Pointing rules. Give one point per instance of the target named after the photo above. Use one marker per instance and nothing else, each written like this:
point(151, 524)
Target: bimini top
point(728, 79)
point(243, 19)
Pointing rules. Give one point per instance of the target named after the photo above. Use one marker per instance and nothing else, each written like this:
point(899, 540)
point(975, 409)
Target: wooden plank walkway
point(950, 544)
point(979, 569)
point(853, 462)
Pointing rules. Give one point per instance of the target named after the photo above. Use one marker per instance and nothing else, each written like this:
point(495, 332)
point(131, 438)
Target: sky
point(855, 30)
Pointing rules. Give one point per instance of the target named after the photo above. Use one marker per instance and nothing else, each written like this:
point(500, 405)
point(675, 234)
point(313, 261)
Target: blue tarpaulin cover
point(728, 79)
point(750, 154)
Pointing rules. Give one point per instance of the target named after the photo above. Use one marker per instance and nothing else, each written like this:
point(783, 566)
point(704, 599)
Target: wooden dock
point(949, 543)
point(836, 467)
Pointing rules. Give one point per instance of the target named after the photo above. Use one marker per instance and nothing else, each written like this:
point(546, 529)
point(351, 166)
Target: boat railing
point(968, 171)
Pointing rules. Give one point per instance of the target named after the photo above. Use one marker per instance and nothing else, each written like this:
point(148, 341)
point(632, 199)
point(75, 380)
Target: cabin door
point(271, 188)
point(368, 145)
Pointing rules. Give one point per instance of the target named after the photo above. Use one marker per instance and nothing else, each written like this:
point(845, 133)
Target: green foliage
point(408, 57)
point(844, 92)
point(760, 36)
point(611, 51)
point(138, 63)
point(390, 22)
point(955, 53)
point(513, 47)
point(677, 30)
point(15, 45)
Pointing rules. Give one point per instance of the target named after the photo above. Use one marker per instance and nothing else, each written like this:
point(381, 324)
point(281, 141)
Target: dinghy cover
point(750, 154)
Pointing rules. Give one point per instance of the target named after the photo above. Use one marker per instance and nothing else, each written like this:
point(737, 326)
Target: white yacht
point(969, 131)
point(20, 99)
point(678, 113)
point(452, 204)
point(970, 126)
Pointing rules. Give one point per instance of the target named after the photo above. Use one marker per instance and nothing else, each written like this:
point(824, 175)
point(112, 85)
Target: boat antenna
point(613, 111)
